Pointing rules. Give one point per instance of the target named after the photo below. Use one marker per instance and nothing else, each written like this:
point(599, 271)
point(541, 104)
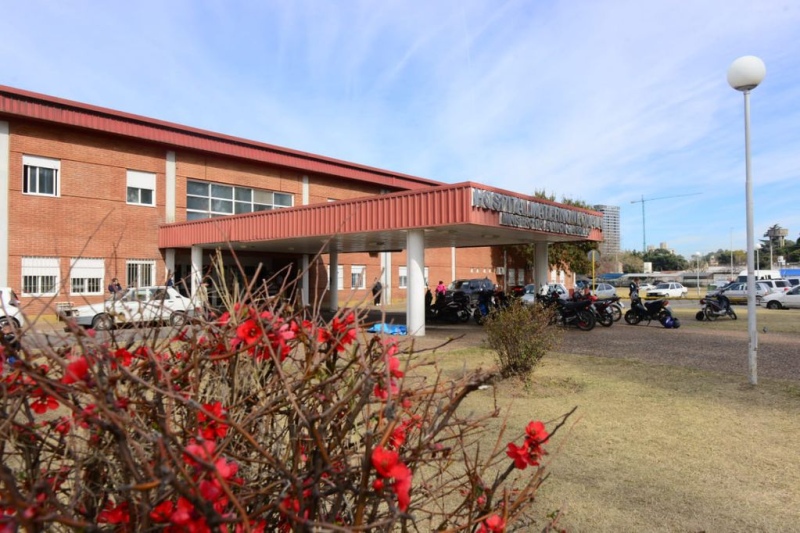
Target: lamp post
point(758, 258)
point(698, 273)
point(744, 75)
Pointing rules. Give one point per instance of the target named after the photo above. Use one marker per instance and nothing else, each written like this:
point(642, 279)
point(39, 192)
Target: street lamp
point(758, 258)
point(698, 273)
point(744, 75)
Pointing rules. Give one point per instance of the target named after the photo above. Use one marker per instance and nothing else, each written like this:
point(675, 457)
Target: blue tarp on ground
point(391, 329)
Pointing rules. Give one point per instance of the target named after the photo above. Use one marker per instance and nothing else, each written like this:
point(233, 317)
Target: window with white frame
point(40, 276)
point(512, 277)
point(40, 175)
point(403, 277)
point(141, 188)
point(339, 277)
point(205, 200)
point(358, 274)
point(140, 273)
point(86, 276)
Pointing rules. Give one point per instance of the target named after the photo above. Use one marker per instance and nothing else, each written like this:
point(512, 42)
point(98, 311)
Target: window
point(141, 188)
point(403, 275)
point(206, 200)
point(140, 273)
point(40, 276)
point(40, 175)
point(86, 276)
point(339, 277)
point(357, 277)
point(512, 277)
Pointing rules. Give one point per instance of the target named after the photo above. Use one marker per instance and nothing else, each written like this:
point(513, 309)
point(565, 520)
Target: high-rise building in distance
point(611, 231)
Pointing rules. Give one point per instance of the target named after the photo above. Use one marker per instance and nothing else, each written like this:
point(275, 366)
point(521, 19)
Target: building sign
point(528, 214)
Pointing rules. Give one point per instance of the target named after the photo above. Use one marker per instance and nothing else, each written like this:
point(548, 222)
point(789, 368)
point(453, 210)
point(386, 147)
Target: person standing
point(633, 288)
point(377, 287)
point(115, 288)
point(441, 290)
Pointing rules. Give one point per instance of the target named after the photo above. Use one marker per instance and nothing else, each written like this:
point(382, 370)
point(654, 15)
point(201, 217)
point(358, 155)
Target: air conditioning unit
point(500, 271)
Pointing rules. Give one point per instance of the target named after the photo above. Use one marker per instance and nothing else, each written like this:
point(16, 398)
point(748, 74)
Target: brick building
point(92, 193)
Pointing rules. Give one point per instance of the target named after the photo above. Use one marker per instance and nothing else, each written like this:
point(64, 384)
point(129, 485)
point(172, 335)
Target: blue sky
point(608, 102)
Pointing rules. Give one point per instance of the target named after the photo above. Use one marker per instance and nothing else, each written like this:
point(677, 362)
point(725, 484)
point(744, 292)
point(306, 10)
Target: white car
point(604, 290)
point(781, 299)
point(529, 296)
point(10, 312)
point(558, 288)
point(673, 289)
point(140, 305)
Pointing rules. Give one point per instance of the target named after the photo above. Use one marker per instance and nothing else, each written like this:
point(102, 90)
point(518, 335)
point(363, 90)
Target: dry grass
point(657, 448)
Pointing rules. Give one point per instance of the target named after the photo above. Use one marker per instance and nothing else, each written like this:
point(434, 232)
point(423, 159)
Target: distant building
point(611, 230)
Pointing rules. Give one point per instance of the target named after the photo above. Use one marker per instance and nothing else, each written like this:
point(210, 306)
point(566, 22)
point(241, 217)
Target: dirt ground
point(703, 348)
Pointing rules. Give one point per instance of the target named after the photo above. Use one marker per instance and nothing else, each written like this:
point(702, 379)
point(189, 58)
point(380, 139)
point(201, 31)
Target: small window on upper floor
point(141, 188)
point(40, 175)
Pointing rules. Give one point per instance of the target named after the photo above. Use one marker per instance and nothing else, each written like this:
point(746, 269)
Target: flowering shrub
point(259, 421)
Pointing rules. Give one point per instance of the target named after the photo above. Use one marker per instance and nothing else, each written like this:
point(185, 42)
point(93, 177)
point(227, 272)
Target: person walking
point(377, 287)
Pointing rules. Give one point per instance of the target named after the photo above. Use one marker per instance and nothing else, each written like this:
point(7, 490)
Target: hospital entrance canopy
point(459, 215)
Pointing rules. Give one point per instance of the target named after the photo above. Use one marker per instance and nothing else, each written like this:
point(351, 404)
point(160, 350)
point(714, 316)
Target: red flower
point(394, 367)
point(519, 454)
point(114, 514)
point(162, 512)
point(384, 460)
point(402, 485)
point(210, 428)
point(493, 524)
point(123, 356)
point(536, 432)
point(77, 370)
point(248, 332)
point(43, 403)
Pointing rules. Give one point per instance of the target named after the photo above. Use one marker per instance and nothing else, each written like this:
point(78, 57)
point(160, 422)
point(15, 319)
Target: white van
point(760, 274)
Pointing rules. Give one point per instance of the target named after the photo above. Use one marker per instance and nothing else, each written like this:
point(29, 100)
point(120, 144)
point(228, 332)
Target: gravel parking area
point(703, 349)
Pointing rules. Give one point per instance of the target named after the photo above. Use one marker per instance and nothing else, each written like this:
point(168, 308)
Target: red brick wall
point(92, 219)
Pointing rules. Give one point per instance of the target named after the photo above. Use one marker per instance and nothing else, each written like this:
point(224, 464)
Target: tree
point(572, 256)
point(665, 260)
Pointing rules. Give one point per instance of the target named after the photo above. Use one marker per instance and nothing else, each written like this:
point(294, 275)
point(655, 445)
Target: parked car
point(737, 292)
point(794, 281)
point(604, 290)
point(673, 289)
point(529, 295)
point(10, 312)
point(777, 285)
point(782, 300)
point(141, 305)
point(558, 288)
point(471, 287)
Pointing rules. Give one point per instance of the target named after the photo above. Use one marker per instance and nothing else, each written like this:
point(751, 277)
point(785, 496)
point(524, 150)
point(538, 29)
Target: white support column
point(170, 188)
point(305, 289)
point(452, 263)
point(5, 163)
point(169, 263)
point(415, 306)
point(386, 278)
point(197, 269)
point(541, 269)
point(333, 280)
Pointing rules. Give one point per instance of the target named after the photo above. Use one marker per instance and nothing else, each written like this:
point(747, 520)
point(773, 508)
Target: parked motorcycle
point(604, 311)
point(486, 302)
point(715, 307)
point(616, 307)
point(571, 312)
point(655, 310)
point(451, 307)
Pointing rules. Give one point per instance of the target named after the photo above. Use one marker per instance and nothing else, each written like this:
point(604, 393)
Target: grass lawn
point(656, 448)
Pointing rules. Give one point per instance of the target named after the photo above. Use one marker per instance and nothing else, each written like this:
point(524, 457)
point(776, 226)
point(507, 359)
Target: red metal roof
point(446, 213)
point(36, 106)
